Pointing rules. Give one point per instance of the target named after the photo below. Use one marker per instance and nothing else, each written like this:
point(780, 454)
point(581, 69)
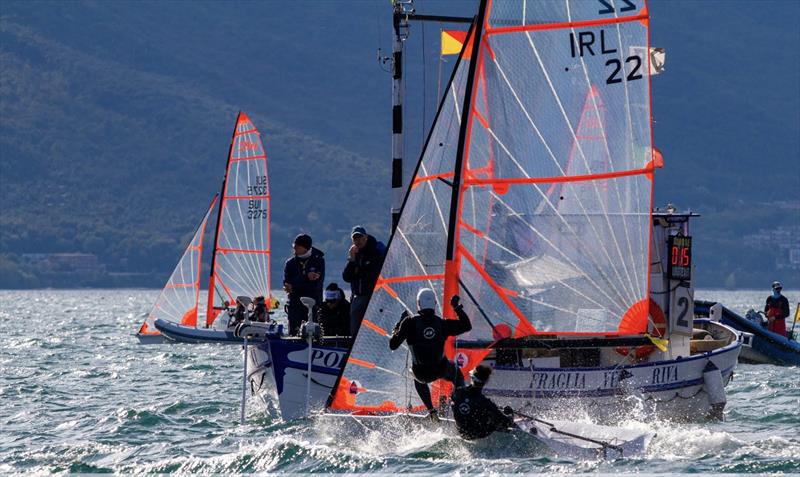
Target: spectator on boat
point(238, 314)
point(364, 262)
point(303, 276)
point(426, 334)
point(334, 314)
point(777, 309)
point(476, 415)
point(260, 312)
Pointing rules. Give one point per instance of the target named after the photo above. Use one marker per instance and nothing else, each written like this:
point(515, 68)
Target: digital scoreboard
point(680, 257)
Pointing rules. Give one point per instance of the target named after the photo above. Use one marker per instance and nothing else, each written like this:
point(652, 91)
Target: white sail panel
point(177, 301)
point(375, 378)
point(242, 251)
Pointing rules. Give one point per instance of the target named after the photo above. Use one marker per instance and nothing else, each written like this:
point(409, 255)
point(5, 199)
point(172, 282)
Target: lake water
point(78, 394)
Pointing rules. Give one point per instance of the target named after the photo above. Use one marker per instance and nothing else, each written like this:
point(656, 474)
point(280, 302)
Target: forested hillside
point(117, 116)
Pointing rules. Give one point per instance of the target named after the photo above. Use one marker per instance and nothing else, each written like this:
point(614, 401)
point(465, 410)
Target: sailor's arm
point(462, 325)
point(400, 332)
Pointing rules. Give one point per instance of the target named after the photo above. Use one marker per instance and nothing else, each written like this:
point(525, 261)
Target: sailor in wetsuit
point(476, 415)
point(426, 334)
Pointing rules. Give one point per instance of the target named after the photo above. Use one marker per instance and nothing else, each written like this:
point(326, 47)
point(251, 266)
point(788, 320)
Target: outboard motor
point(757, 317)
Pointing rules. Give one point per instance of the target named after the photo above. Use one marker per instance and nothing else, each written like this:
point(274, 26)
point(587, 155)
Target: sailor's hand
point(351, 254)
point(313, 276)
point(454, 301)
point(287, 287)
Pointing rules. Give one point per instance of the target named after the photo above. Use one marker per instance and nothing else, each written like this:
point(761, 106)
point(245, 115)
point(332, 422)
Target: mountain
point(116, 119)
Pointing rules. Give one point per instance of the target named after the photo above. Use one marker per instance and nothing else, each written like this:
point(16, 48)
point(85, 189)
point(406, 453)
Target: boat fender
point(715, 313)
point(714, 386)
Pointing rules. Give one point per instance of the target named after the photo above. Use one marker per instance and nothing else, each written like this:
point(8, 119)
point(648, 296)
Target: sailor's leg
point(453, 374)
point(424, 394)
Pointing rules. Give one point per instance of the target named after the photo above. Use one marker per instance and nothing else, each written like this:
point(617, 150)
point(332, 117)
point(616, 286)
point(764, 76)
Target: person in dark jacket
point(334, 314)
point(303, 276)
point(260, 313)
point(777, 309)
point(476, 415)
point(364, 262)
point(426, 334)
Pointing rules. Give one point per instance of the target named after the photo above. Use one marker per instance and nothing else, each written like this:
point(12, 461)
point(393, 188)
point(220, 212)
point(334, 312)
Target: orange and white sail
point(179, 298)
point(532, 198)
point(241, 258)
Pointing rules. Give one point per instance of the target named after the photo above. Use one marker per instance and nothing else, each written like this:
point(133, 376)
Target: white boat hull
point(678, 390)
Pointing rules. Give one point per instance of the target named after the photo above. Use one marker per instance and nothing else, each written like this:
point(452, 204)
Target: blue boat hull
point(766, 348)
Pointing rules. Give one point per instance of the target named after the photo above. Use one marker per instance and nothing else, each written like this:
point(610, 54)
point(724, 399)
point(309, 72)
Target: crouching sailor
point(426, 334)
point(476, 415)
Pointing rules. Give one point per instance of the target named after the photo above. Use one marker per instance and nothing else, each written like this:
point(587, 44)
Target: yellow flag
point(453, 41)
point(658, 342)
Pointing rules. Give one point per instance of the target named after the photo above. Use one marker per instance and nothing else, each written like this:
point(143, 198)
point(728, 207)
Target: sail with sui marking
point(241, 258)
point(178, 300)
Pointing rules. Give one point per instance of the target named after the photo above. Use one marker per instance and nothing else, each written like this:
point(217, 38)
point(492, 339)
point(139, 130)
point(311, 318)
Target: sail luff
point(211, 313)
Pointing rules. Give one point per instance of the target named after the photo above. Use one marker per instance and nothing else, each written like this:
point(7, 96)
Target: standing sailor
point(476, 415)
point(303, 276)
point(364, 262)
point(777, 309)
point(426, 334)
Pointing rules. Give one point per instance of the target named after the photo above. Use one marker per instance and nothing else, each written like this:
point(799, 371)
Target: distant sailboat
point(240, 264)
point(178, 300)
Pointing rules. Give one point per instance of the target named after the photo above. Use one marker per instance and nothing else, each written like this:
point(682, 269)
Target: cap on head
point(480, 374)
point(331, 295)
point(303, 240)
point(776, 285)
point(358, 230)
point(426, 299)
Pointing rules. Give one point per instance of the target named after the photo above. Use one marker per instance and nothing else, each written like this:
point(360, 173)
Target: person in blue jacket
point(303, 276)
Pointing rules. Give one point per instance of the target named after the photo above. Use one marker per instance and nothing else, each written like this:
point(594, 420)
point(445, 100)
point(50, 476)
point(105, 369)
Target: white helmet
point(426, 299)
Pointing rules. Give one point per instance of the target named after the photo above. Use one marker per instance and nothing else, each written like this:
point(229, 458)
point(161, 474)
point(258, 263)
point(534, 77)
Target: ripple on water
point(90, 399)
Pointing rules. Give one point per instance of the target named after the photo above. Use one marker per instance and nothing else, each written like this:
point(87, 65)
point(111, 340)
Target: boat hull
point(298, 396)
point(676, 390)
point(187, 334)
point(672, 390)
point(766, 347)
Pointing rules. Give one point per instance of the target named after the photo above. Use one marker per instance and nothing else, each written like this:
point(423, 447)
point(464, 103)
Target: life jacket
point(427, 342)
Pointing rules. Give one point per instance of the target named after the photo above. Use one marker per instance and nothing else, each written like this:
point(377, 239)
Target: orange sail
point(241, 260)
point(533, 195)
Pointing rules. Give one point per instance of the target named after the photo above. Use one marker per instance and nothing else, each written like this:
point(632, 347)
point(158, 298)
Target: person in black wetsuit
point(426, 334)
point(476, 415)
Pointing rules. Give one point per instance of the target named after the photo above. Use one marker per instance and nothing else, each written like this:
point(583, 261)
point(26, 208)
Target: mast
point(403, 12)
point(211, 284)
point(402, 9)
point(452, 262)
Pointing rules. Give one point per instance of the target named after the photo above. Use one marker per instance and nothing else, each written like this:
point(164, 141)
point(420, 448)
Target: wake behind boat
point(557, 438)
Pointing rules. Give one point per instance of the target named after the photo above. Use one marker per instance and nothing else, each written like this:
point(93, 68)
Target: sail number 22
point(589, 43)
